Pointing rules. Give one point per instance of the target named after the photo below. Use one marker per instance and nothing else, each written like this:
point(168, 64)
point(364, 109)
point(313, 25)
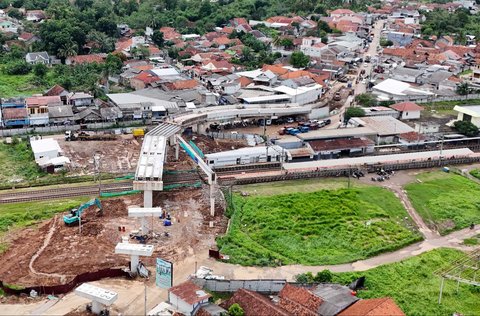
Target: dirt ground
point(53, 253)
point(117, 156)
point(206, 144)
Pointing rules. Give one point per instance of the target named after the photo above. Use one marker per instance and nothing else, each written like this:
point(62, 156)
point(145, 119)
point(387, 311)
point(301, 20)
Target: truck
point(73, 218)
point(138, 132)
point(83, 136)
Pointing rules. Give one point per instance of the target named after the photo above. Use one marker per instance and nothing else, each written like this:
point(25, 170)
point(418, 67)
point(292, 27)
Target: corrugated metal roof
point(335, 298)
point(383, 159)
point(165, 129)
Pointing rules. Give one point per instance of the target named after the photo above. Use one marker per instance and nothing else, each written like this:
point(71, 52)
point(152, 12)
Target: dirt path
point(46, 242)
point(401, 194)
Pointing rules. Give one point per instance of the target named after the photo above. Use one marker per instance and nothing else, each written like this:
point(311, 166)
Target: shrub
point(18, 68)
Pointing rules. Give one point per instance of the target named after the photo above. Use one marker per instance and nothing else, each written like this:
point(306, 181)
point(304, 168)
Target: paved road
point(359, 87)
point(372, 51)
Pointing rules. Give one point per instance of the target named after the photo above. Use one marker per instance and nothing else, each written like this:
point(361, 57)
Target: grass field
point(415, 288)
point(446, 201)
point(18, 163)
point(323, 227)
point(17, 85)
point(305, 185)
point(18, 215)
point(475, 173)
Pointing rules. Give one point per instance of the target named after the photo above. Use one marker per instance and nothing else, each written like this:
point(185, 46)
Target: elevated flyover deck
point(148, 176)
point(239, 111)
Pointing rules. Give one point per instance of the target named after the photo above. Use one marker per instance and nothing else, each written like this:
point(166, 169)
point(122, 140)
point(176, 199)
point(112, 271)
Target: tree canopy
point(299, 60)
point(466, 128)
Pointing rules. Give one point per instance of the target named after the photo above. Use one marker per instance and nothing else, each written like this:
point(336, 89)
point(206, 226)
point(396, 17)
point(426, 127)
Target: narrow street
point(359, 87)
point(372, 51)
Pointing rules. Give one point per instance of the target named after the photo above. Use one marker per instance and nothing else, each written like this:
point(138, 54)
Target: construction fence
point(67, 287)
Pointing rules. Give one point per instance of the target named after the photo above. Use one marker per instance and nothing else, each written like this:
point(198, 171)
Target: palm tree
point(68, 49)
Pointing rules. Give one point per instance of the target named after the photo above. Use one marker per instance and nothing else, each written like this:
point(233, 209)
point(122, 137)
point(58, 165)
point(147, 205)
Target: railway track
point(40, 195)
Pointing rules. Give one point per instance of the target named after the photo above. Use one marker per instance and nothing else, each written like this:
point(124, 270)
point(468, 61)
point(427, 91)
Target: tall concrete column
point(144, 225)
point(212, 200)
point(177, 151)
point(202, 128)
point(134, 260)
point(147, 198)
point(97, 307)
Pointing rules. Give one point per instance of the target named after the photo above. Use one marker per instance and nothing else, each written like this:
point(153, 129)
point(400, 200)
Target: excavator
point(74, 217)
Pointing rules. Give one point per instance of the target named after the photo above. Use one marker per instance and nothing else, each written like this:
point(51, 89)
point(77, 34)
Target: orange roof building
point(373, 307)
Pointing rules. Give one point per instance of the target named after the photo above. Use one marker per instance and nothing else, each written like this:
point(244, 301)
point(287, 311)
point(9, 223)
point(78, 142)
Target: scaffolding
point(464, 270)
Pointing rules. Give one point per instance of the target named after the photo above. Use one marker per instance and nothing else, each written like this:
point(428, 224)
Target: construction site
point(54, 253)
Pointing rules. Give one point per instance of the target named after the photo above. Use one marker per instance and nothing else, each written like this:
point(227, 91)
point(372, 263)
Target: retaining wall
point(67, 287)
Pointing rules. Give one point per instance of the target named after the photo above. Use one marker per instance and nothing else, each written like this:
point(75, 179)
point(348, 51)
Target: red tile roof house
point(324, 300)
point(187, 297)
point(408, 110)
point(255, 304)
point(142, 80)
point(384, 306)
point(182, 84)
point(86, 59)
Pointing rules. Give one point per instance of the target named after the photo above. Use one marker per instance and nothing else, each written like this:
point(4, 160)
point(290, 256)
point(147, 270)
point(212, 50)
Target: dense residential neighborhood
point(239, 157)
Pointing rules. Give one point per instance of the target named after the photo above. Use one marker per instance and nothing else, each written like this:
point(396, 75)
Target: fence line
point(261, 286)
point(429, 99)
point(67, 287)
point(62, 128)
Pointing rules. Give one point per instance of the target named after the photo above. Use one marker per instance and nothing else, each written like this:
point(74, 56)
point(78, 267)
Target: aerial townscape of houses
point(352, 92)
point(408, 70)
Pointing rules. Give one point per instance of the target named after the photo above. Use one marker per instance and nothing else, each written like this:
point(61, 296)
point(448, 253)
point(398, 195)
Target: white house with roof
point(391, 89)
point(312, 46)
point(187, 297)
point(408, 110)
point(468, 113)
point(37, 58)
point(47, 153)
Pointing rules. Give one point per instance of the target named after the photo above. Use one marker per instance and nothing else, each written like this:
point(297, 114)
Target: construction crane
point(74, 217)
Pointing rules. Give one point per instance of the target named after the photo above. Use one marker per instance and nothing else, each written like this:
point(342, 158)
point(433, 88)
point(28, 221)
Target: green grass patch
point(449, 105)
point(415, 288)
point(466, 72)
point(471, 241)
point(446, 201)
point(18, 215)
point(475, 173)
point(474, 241)
point(323, 227)
point(18, 85)
point(293, 186)
point(19, 169)
point(18, 163)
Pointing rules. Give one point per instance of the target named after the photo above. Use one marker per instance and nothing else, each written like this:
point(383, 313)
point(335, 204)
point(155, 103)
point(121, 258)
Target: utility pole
point(96, 162)
point(145, 302)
